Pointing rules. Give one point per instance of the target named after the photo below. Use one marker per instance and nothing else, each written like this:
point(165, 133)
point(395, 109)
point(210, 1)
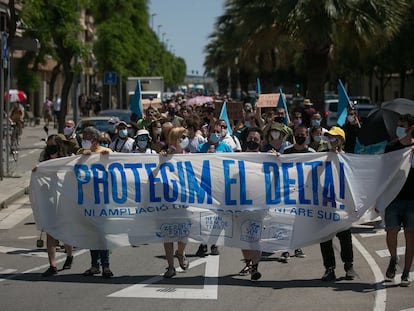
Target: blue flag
point(258, 90)
point(136, 101)
point(343, 102)
point(224, 116)
point(282, 103)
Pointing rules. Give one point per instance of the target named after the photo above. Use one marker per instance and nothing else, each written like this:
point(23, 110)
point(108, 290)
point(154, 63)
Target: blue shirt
point(221, 147)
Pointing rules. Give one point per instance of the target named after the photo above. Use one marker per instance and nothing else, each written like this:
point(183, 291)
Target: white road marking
point(6, 271)
point(24, 251)
point(373, 234)
point(385, 253)
point(28, 237)
point(381, 292)
point(209, 290)
point(77, 253)
point(12, 219)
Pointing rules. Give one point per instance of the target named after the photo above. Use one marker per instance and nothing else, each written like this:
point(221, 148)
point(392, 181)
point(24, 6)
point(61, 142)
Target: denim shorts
point(400, 213)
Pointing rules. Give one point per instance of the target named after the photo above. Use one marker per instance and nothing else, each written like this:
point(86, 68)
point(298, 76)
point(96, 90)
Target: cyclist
point(17, 116)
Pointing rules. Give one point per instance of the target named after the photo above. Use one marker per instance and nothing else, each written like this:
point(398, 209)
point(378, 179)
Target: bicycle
point(14, 141)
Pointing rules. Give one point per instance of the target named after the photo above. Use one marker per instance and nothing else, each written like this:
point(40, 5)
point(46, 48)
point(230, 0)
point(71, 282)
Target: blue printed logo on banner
point(251, 230)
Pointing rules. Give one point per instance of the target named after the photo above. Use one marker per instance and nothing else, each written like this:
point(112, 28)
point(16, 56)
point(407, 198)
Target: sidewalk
point(12, 188)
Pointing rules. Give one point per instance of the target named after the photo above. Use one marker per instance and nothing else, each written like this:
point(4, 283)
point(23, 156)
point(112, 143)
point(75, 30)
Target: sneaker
point(255, 275)
point(405, 279)
point(285, 257)
point(170, 273)
point(350, 273)
point(392, 267)
point(68, 263)
point(299, 253)
point(246, 270)
point(329, 275)
point(50, 271)
point(214, 250)
point(202, 250)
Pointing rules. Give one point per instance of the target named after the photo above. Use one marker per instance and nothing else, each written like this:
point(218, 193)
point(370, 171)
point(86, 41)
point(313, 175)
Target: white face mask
point(351, 118)
point(86, 144)
point(275, 134)
point(67, 131)
point(158, 131)
point(184, 143)
point(224, 132)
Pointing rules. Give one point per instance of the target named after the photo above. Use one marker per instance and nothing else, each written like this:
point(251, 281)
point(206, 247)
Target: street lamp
point(158, 32)
point(152, 20)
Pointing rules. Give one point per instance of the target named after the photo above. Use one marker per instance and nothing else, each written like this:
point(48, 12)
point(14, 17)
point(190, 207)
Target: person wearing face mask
point(172, 116)
point(300, 146)
point(90, 144)
point(55, 149)
point(351, 128)
point(122, 143)
point(336, 139)
point(276, 138)
point(251, 257)
point(177, 143)
point(317, 139)
point(400, 212)
point(213, 145)
point(316, 120)
point(71, 137)
point(195, 138)
point(230, 140)
point(143, 143)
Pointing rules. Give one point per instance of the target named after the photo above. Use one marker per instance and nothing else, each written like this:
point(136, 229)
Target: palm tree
point(312, 28)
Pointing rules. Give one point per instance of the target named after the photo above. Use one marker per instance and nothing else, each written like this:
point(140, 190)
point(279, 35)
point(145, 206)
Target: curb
point(5, 203)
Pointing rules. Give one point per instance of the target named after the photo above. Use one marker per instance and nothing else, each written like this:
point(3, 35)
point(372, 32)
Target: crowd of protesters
point(182, 129)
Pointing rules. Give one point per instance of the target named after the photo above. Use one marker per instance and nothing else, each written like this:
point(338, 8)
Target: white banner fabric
point(244, 200)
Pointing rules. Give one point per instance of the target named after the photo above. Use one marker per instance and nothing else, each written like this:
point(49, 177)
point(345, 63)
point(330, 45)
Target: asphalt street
point(210, 283)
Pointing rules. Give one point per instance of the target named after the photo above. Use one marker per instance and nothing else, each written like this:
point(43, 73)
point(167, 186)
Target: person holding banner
point(252, 257)
point(177, 144)
point(55, 149)
point(214, 144)
point(401, 211)
point(276, 138)
point(336, 140)
point(90, 144)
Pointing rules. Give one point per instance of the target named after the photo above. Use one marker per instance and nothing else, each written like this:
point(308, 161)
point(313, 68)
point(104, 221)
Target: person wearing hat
point(143, 142)
point(276, 138)
point(336, 140)
point(122, 142)
point(307, 112)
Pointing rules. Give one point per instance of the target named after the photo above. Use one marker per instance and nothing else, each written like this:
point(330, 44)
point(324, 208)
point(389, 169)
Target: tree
point(58, 24)
point(312, 27)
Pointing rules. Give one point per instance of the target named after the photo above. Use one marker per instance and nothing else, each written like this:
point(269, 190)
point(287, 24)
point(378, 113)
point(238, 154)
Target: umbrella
point(381, 122)
point(15, 96)
point(198, 100)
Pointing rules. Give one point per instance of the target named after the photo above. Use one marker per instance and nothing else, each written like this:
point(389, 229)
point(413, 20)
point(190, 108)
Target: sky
point(186, 24)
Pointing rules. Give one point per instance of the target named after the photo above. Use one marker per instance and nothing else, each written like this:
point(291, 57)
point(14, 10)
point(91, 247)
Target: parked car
point(331, 111)
point(102, 123)
point(121, 114)
point(363, 110)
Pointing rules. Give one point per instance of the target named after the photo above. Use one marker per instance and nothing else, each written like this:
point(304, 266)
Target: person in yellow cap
point(336, 140)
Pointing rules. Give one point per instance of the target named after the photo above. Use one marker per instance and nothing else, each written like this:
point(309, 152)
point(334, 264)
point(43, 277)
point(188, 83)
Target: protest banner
point(246, 200)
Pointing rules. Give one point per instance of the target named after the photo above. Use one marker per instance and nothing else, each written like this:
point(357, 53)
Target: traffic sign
point(110, 77)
